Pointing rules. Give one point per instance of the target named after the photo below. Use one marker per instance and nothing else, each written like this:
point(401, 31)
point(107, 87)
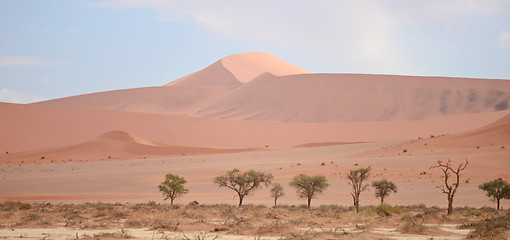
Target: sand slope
point(356, 97)
point(28, 127)
point(113, 145)
point(178, 100)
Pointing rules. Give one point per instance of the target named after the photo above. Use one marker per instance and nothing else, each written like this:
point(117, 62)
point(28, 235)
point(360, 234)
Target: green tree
point(496, 189)
point(356, 179)
point(173, 187)
point(383, 188)
point(243, 183)
point(309, 186)
point(450, 188)
point(276, 192)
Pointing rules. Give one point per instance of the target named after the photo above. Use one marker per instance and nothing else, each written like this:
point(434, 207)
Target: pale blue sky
point(51, 49)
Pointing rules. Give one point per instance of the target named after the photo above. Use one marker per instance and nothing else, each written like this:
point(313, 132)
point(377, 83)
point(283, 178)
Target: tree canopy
point(383, 188)
point(276, 191)
point(243, 183)
point(496, 189)
point(173, 187)
point(356, 180)
point(309, 186)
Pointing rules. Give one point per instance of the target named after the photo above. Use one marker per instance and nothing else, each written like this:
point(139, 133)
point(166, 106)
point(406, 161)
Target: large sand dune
point(261, 87)
point(238, 69)
point(357, 97)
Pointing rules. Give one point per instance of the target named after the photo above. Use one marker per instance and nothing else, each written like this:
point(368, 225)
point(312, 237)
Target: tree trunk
point(450, 205)
point(309, 201)
point(382, 200)
point(498, 203)
point(275, 201)
point(240, 200)
point(171, 201)
point(357, 205)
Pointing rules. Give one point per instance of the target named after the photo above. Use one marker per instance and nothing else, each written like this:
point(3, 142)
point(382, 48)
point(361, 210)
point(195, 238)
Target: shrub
point(491, 228)
point(385, 209)
point(25, 206)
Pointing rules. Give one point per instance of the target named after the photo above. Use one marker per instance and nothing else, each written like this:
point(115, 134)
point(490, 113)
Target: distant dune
point(358, 97)
point(174, 100)
point(261, 87)
point(238, 69)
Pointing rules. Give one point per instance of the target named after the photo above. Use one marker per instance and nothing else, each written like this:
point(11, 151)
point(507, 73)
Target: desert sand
point(255, 111)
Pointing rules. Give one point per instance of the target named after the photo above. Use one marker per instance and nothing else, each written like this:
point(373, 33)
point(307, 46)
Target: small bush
point(165, 224)
point(491, 228)
point(30, 217)
point(385, 210)
point(25, 206)
point(134, 223)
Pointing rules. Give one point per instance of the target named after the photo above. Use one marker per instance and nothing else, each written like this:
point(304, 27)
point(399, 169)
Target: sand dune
point(177, 100)
point(358, 97)
point(237, 69)
point(490, 140)
point(261, 87)
point(113, 145)
point(28, 127)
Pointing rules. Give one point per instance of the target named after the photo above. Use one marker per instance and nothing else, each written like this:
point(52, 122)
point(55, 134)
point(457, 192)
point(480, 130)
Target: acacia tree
point(356, 179)
point(243, 183)
point(497, 189)
point(309, 186)
point(276, 192)
point(173, 187)
point(383, 188)
point(450, 188)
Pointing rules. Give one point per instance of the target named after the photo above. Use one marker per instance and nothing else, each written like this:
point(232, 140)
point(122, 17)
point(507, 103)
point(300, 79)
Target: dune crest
point(238, 69)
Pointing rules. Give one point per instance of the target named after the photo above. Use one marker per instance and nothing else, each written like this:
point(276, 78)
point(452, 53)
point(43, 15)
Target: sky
point(52, 49)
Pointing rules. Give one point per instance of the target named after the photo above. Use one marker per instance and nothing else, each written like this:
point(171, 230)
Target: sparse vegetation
point(356, 180)
point(120, 221)
point(243, 183)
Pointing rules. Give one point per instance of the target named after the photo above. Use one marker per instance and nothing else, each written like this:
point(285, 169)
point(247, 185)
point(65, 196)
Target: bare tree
point(276, 192)
point(450, 188)
point(356, 179)
point(243, 183)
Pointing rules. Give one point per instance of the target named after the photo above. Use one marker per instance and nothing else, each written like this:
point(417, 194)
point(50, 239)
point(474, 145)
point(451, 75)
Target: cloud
point(20, 61)
point(7, 95)
point(504, 39)
point(363, 36)
point(348, 32)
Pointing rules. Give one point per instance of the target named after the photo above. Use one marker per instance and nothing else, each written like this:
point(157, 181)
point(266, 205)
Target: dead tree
point(450, 188)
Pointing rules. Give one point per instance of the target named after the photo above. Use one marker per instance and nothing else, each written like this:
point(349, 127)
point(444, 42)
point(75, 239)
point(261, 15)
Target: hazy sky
point(51, 49)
